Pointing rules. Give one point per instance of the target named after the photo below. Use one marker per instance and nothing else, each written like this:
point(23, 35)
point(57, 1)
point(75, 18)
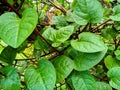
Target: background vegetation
point(59, 45)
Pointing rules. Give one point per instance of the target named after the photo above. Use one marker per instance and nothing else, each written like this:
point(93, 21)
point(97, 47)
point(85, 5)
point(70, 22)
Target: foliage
point(59, 45)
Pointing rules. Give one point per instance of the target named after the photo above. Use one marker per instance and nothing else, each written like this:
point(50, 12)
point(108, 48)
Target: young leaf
point(88, 43)
point(109, 33)
point(90, 10)
point(58, 36)
point(43, 78)
point(117, 54)
point(63, 65)
point(111, 62)
point(14, 30)
point(85, 61)
point(8, 55)
point(114, 75)
point(59, 21)
point(11, 80)
point(82, 81)
point(103, 86)
point(116, 16)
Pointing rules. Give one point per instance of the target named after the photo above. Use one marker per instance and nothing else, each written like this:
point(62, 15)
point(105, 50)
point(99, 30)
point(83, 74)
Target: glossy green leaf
point(11, 81)
point(88, 42)
point(109, 33)
point(58, 36)
point(85, 61)
point(63, 65)
point(111, 62)
point(59, 21)
point(116, 16)
point(14, 30)
point(61, 1)
point(117, 54)
point(78, 20)
point(42, 78)
point(103, 86)
point(49, 33)
point(8, 55)
point(114, 75)
point(90, 10)
point(82, 81)
point(41, 44)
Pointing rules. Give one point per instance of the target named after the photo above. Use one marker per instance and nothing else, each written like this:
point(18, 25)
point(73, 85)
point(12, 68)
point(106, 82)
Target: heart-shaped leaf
point(111, 62)
point(63, 65)
point(90, 10)
point(88, 42)
point(15, 30)
point(43, 78)
point(82, 81)
point(103, 86)
point(11, 81)
point(85, 61)
point(114, 75)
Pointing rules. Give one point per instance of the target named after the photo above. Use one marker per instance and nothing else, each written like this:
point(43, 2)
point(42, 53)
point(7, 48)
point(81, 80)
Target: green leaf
point(58, 36)
point(82, 81)
point(117, 54)
point(109, 33)
point(85, 61)
point(116, 16)
point(63, 65)
point(90, 10)
point(114, 75)
point(88, 42)
point(59, 21)
point(78, 20)
point(61, 1)
point(41, 44)
point(111, 62)
point(49, 33)
point(14, 30)
point(43, 78)
point(103, 86)
point(8, 55)
point(11, 81)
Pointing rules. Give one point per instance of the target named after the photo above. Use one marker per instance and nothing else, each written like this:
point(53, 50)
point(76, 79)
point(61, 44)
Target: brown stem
point(100, 25)
point(25, 59)
point(2, 74)
point(20, 5)
point(84, 28)
point(2, 65)
point(9, 5)
point(61, 9)
point(116, 44)
point(37, 32)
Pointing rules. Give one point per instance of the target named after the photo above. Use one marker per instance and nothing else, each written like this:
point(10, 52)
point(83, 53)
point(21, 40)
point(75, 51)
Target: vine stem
point(61, 9)
point(100, 25)
point(20, 5)
point(37, 32)
point(9, 5)
point(116, 44)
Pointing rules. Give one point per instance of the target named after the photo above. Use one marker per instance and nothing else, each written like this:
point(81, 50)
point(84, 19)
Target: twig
point(20, 5)
point(37, 32)
point(25, 59)
point(84, 28)
point(61, 9)
point(100, 25)
point(116, 44)
point(2, 74)
point(2, 65)
point(12, 8)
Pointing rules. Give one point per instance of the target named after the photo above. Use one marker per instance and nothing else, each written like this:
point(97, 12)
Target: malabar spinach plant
point(59, 45)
